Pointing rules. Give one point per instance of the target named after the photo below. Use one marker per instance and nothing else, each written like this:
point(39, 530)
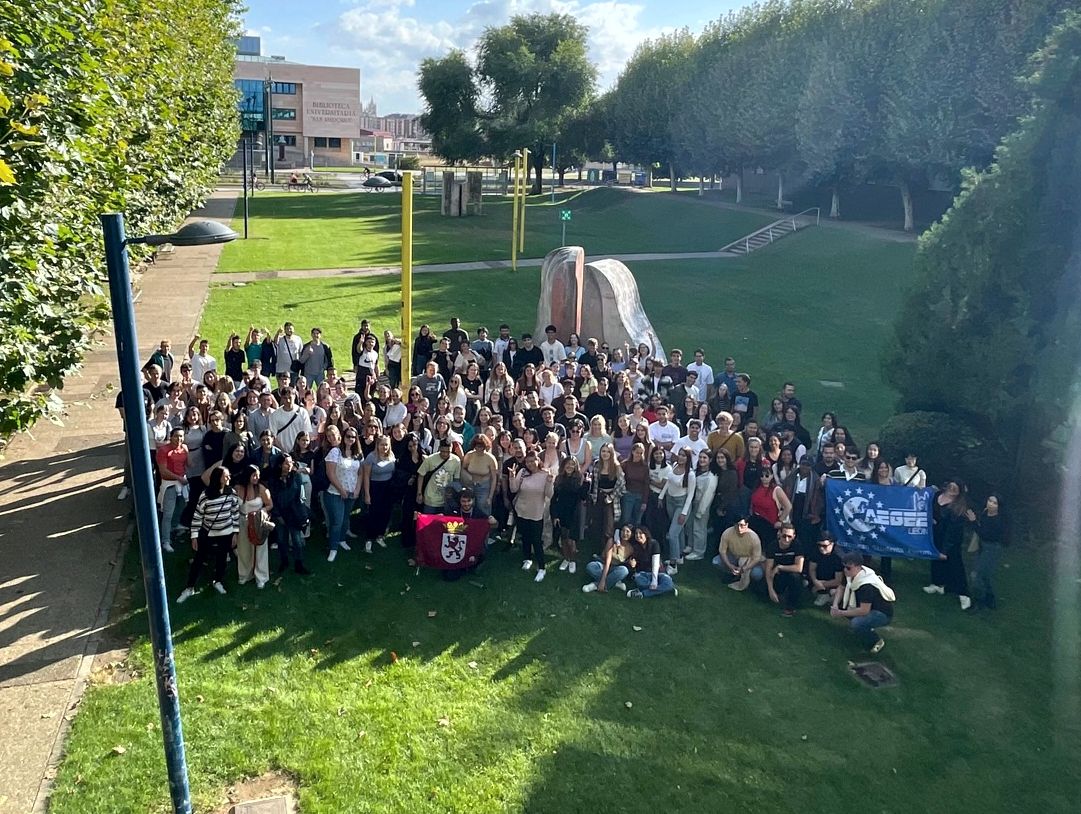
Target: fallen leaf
point(472, 665)
point(200, 699)
point(749, 689)
point(416, 644)
point(628, 704)
point(636, 628)
point(431, 614)
point(803, 737)
point(368, 568)
point(409, 587)
point(47, 714)
point(444, 721)
point(341, 712)
point(780, 635)
point(361, 734)
point(119, 750)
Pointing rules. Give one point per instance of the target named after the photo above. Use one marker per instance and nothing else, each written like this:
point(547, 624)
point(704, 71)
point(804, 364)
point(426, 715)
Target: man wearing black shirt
point(571, 414)
point(675, 369)
point(744, 400)
point(526, 354)
point(548, 424)
point(155, 386)
point(358, 341)
point(827, 461)
point(826, 570)
point(600, 402)
point(455, 335)
point(590, 355)
point(866, 601)
point(784, 571)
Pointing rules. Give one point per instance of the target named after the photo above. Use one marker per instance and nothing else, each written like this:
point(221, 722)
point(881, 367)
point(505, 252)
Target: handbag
point(295, 365)
point(259, 527)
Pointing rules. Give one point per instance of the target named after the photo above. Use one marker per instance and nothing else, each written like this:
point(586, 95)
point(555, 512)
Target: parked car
point(377, 183)
point(393, 176)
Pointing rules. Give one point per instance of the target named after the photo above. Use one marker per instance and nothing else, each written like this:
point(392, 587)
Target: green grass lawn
point(514, 696)
point(343, 230)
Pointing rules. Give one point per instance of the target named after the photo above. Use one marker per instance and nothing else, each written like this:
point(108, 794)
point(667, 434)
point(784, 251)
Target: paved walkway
point(436, 268)
point(62, 533)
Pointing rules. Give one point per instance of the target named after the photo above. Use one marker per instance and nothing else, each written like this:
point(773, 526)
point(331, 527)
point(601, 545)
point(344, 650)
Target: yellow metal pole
point(407, 274)
point(525, 191)
point(514, 218)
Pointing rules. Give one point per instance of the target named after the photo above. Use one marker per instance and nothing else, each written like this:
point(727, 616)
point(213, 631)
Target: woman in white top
point(159, 427)
point(576, 446)
point(396, 410)
point(392, 356)
point(497, 381)
point(550, 388)
point(655, 518)
point(678, 497)
point(597, 436)
point(705, 487)
point(456, 394)
point(550, 456)
point(252, 557)
point(825, 433)
point(343, 472)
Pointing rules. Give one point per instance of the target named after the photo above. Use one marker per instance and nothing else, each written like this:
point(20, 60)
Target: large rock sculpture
point(598, 299)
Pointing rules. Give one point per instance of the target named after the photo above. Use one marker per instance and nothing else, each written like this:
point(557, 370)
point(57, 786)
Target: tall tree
point(536, 74)
point(647, 98)
point(450, 108)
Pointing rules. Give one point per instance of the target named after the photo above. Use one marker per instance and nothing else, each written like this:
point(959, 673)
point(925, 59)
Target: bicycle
point(299, 186)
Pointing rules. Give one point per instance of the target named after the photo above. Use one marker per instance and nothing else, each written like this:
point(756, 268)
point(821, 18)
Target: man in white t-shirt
point(693, 440)
point(288, 421)
point(663, 432)
point(551, 347)
point(287, 347)
point(704, 371)
point(202, 361)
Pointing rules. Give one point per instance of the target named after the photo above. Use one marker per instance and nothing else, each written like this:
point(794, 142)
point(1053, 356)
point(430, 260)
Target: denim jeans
point(864, 627)
point(337, 510)
point(290, 543)
point(675, 530)
point(617, 573)
point(986, 565)
point(172, 507)
point(697, 532)
point(630, 508)
point(664, 584)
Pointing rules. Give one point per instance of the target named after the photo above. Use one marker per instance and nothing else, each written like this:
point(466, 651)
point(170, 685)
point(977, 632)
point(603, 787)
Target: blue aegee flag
point(887, 521)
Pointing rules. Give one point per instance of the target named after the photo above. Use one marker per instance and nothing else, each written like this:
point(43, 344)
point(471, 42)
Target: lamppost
point(142, 483)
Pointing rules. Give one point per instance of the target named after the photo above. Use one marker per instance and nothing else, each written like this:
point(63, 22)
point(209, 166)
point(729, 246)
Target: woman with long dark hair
point(291, 514)
point(568, 492)
point(405, 471)
point(994, 537)
point(532, 487)
point(214, 531)
point(770, 509)
point(699, 518)
point(423, 345)
point(378, 475)
point(678, 497)
point(252, 557)
point(952, 516)
point(608, 485)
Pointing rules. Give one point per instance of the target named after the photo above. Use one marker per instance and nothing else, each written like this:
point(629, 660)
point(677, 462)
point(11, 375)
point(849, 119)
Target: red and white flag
point(449, 543)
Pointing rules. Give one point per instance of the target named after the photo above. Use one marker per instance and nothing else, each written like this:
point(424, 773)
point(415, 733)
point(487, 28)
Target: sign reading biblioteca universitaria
point(450, 543)
point(887, 521)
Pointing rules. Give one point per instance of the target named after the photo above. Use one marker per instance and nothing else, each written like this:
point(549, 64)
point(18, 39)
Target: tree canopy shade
point(104, 105)
point(534, 75)
point(991, 329)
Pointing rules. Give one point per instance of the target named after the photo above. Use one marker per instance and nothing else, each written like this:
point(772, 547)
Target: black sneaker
point(300, 569)
point(877, 646)
point(283, 566)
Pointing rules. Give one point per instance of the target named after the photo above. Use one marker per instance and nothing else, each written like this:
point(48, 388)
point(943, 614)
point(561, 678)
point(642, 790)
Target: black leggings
point(216, 548)
point(531, 541)
point(375, 522)
point(950, 573)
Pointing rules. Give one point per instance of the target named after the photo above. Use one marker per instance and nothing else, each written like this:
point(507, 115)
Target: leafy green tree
point(104, 105)
point(991, 328)
point(582, 139)
point(647, 99)
point(536, 74)
point(451, 111)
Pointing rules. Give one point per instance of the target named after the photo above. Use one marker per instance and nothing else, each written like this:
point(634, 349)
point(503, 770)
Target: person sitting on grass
point(611, 570)
point(740, 554)
point(784, 571)
point(866, 601)
point(826, 570)
point(645, 560)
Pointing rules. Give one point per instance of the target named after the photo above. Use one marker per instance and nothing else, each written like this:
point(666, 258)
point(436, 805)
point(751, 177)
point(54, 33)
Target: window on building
point(322, 143)
point(284, 88)
point(250, 103)
point(283, 113)
point(334, 143)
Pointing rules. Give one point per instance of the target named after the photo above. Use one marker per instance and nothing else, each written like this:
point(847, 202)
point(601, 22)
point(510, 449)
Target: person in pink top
point(532, 488)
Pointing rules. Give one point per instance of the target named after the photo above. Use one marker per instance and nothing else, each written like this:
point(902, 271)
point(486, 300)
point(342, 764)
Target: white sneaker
point(589, 587)
point(933, 589)
point(621, 586)
point(693, 556)
point(540, 576)
point(260, 585)
point(344, 546)
point(351, 535)
point(527, 564)
point(333, 555)
point(822, 600)
point(572, 567)
point(124, 492)
point(671, 570)
point(686, 550)
point(966, 602)
point(368, 547)
point(563, 565)
point(185, 595)
point(221, 588)
point(379, 541)
point(167, 547)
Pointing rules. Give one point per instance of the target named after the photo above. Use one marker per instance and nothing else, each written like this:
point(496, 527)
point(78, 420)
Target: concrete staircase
point(774, 232)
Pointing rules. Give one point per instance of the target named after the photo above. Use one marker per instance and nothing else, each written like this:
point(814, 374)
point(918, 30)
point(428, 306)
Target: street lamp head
point(200, 233)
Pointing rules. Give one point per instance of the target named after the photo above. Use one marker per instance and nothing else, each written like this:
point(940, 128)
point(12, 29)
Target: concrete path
point(62, 533)
point(435, 268)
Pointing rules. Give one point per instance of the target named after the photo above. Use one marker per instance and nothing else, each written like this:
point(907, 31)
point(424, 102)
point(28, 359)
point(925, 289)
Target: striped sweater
point(220, 515)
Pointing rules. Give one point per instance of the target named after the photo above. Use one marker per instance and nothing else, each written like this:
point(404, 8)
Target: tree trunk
point(906, 200)
point(562, 173)
point(538, 166)
point(780, 190)
point(835, 204)
point(739, 186)
point(579, 174)
point(671, 177)
point(701, 185)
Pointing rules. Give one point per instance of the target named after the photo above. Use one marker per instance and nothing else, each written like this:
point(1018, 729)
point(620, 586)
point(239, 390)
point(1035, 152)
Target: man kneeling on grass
point(866, 601)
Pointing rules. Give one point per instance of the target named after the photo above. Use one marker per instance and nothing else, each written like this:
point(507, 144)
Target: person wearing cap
point(805, 493)
point(865, 601)
point(438, 471)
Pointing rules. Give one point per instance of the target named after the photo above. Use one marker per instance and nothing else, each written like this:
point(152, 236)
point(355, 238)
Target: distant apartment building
point(405, 129)
point(313, 109)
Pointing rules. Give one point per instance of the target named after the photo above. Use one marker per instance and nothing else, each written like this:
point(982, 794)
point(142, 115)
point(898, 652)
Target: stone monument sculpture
point(598, 299)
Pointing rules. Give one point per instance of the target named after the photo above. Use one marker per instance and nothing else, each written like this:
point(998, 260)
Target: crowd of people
point(625, 464)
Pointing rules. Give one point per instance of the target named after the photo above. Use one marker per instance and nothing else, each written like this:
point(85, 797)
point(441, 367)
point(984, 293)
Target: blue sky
point(387, 39)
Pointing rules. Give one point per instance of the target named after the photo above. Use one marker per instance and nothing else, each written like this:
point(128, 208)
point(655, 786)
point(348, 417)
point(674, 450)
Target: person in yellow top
point(434, 475)
point(724, 438)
